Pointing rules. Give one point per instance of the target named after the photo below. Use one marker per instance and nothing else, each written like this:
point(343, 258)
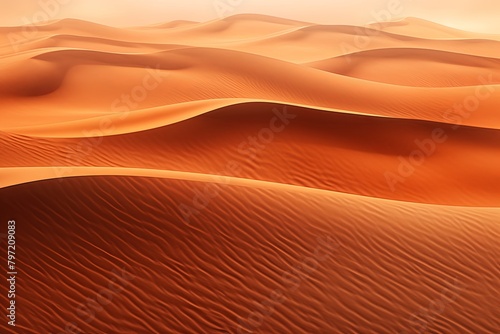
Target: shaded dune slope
point(232, 259)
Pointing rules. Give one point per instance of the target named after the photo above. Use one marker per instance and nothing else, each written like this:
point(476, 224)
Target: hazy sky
point(479, 15)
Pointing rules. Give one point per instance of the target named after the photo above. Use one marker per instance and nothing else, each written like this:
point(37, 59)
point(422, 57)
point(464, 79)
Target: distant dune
point(253, 175)
point(432, 68)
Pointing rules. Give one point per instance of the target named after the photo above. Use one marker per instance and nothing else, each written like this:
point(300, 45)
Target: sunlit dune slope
point(430, 68)
point(81, 81)
point(323, 149)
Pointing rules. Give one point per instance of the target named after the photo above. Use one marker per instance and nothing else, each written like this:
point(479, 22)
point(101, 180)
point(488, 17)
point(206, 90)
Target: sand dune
point(412, 26)
point(432, 68)
point(174, 24)
point(224, 135)
point(252, 175)
point(250, 253)
point(178, 76)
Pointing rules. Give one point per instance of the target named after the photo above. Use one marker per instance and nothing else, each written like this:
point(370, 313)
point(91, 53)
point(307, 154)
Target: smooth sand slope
point(252, 175)
point(431, 68)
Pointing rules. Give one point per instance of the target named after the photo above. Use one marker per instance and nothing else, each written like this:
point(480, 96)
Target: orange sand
point(215, 161)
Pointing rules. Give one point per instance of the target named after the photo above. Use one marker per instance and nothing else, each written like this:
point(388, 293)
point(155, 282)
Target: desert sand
point(252, 175)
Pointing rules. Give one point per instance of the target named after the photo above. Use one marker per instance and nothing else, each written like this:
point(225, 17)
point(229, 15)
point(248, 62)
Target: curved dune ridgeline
point(252, 175)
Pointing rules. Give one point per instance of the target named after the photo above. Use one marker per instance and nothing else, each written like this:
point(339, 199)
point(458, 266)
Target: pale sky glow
point(480, 15)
